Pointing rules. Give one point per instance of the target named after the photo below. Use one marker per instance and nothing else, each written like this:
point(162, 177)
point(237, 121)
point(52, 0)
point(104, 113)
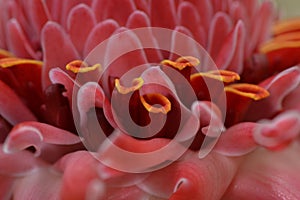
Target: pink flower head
point(108, 99)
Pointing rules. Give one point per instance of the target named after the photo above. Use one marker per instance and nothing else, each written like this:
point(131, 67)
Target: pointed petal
point(17, 42)
point(33, 186)
point(19, 163)
point(58, 76)
point(38, 15)
point(278, 132)
point(231, 55)
point(221, 26)
point(163, 13)
point(6, 187)
point(83, 163)
point(118, 10)
point(38, 135)
point(99, 33)
point(12, 108)
point(58, 49)
point(243, 133)
point(190, 18)
point(205, 10)
point(142, 5)
point(279, 87)
point(268, 175)
point(259, 31)
point(139, 19)
point(66, 7)
point(183, 44)
point(94, 131)
point(55, 9)
point(79, 15)
point(192, 178)
point(123, 152)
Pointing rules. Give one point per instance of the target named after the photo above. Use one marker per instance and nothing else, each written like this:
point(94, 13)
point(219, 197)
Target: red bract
point(116, 99)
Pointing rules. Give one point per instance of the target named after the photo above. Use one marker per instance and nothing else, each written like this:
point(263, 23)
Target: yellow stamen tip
point(137, 83)
point(251, 91)
point(11, 61)
point(220, 75)
point(158, 103)
point(182, 62)
point(78, 66)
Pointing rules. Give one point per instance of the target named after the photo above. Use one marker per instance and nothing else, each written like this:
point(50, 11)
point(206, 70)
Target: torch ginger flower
point(85, 106)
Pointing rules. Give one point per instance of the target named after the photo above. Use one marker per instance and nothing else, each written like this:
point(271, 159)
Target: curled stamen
point(137, 83)
point(78, 66)
point(254, 92)
point(10, 62)
point(158, 103)
point(221, 75)
point(182, 62)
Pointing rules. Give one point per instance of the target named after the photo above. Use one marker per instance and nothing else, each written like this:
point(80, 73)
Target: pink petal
point(183, 44)
point(66, 7)
point(80, 23)
point(231, 55)
point(38, 15)
point(118, 10)
point(55, 9)
point(258, 32)
point(38, 135)
point(58, 76)
point(139, 19)
point(6, 187)
point(34, 186)
point(17, 42)
point(210, 117)
point(163, 13)
point(123, 49)
point(279, 86)
point(190, 18)
point(238, 11)
point(211, 127)
point(124, 193)
point(12, 108)
point(80, 168)
point(268, 175)
point(18, 164)
point(278, 132)
point(192, 178)
point(98, 34)
point(205, 10)
point(291, 101)
point(94, 132)
point(58, 49)
point(243, 133)
point(220, 5)
point(221, 26)
point(127, 154)
point(142, 5)
point(251, 7)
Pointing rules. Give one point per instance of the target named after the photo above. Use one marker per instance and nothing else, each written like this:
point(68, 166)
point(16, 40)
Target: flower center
point(152, 102)
point(251, 91)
